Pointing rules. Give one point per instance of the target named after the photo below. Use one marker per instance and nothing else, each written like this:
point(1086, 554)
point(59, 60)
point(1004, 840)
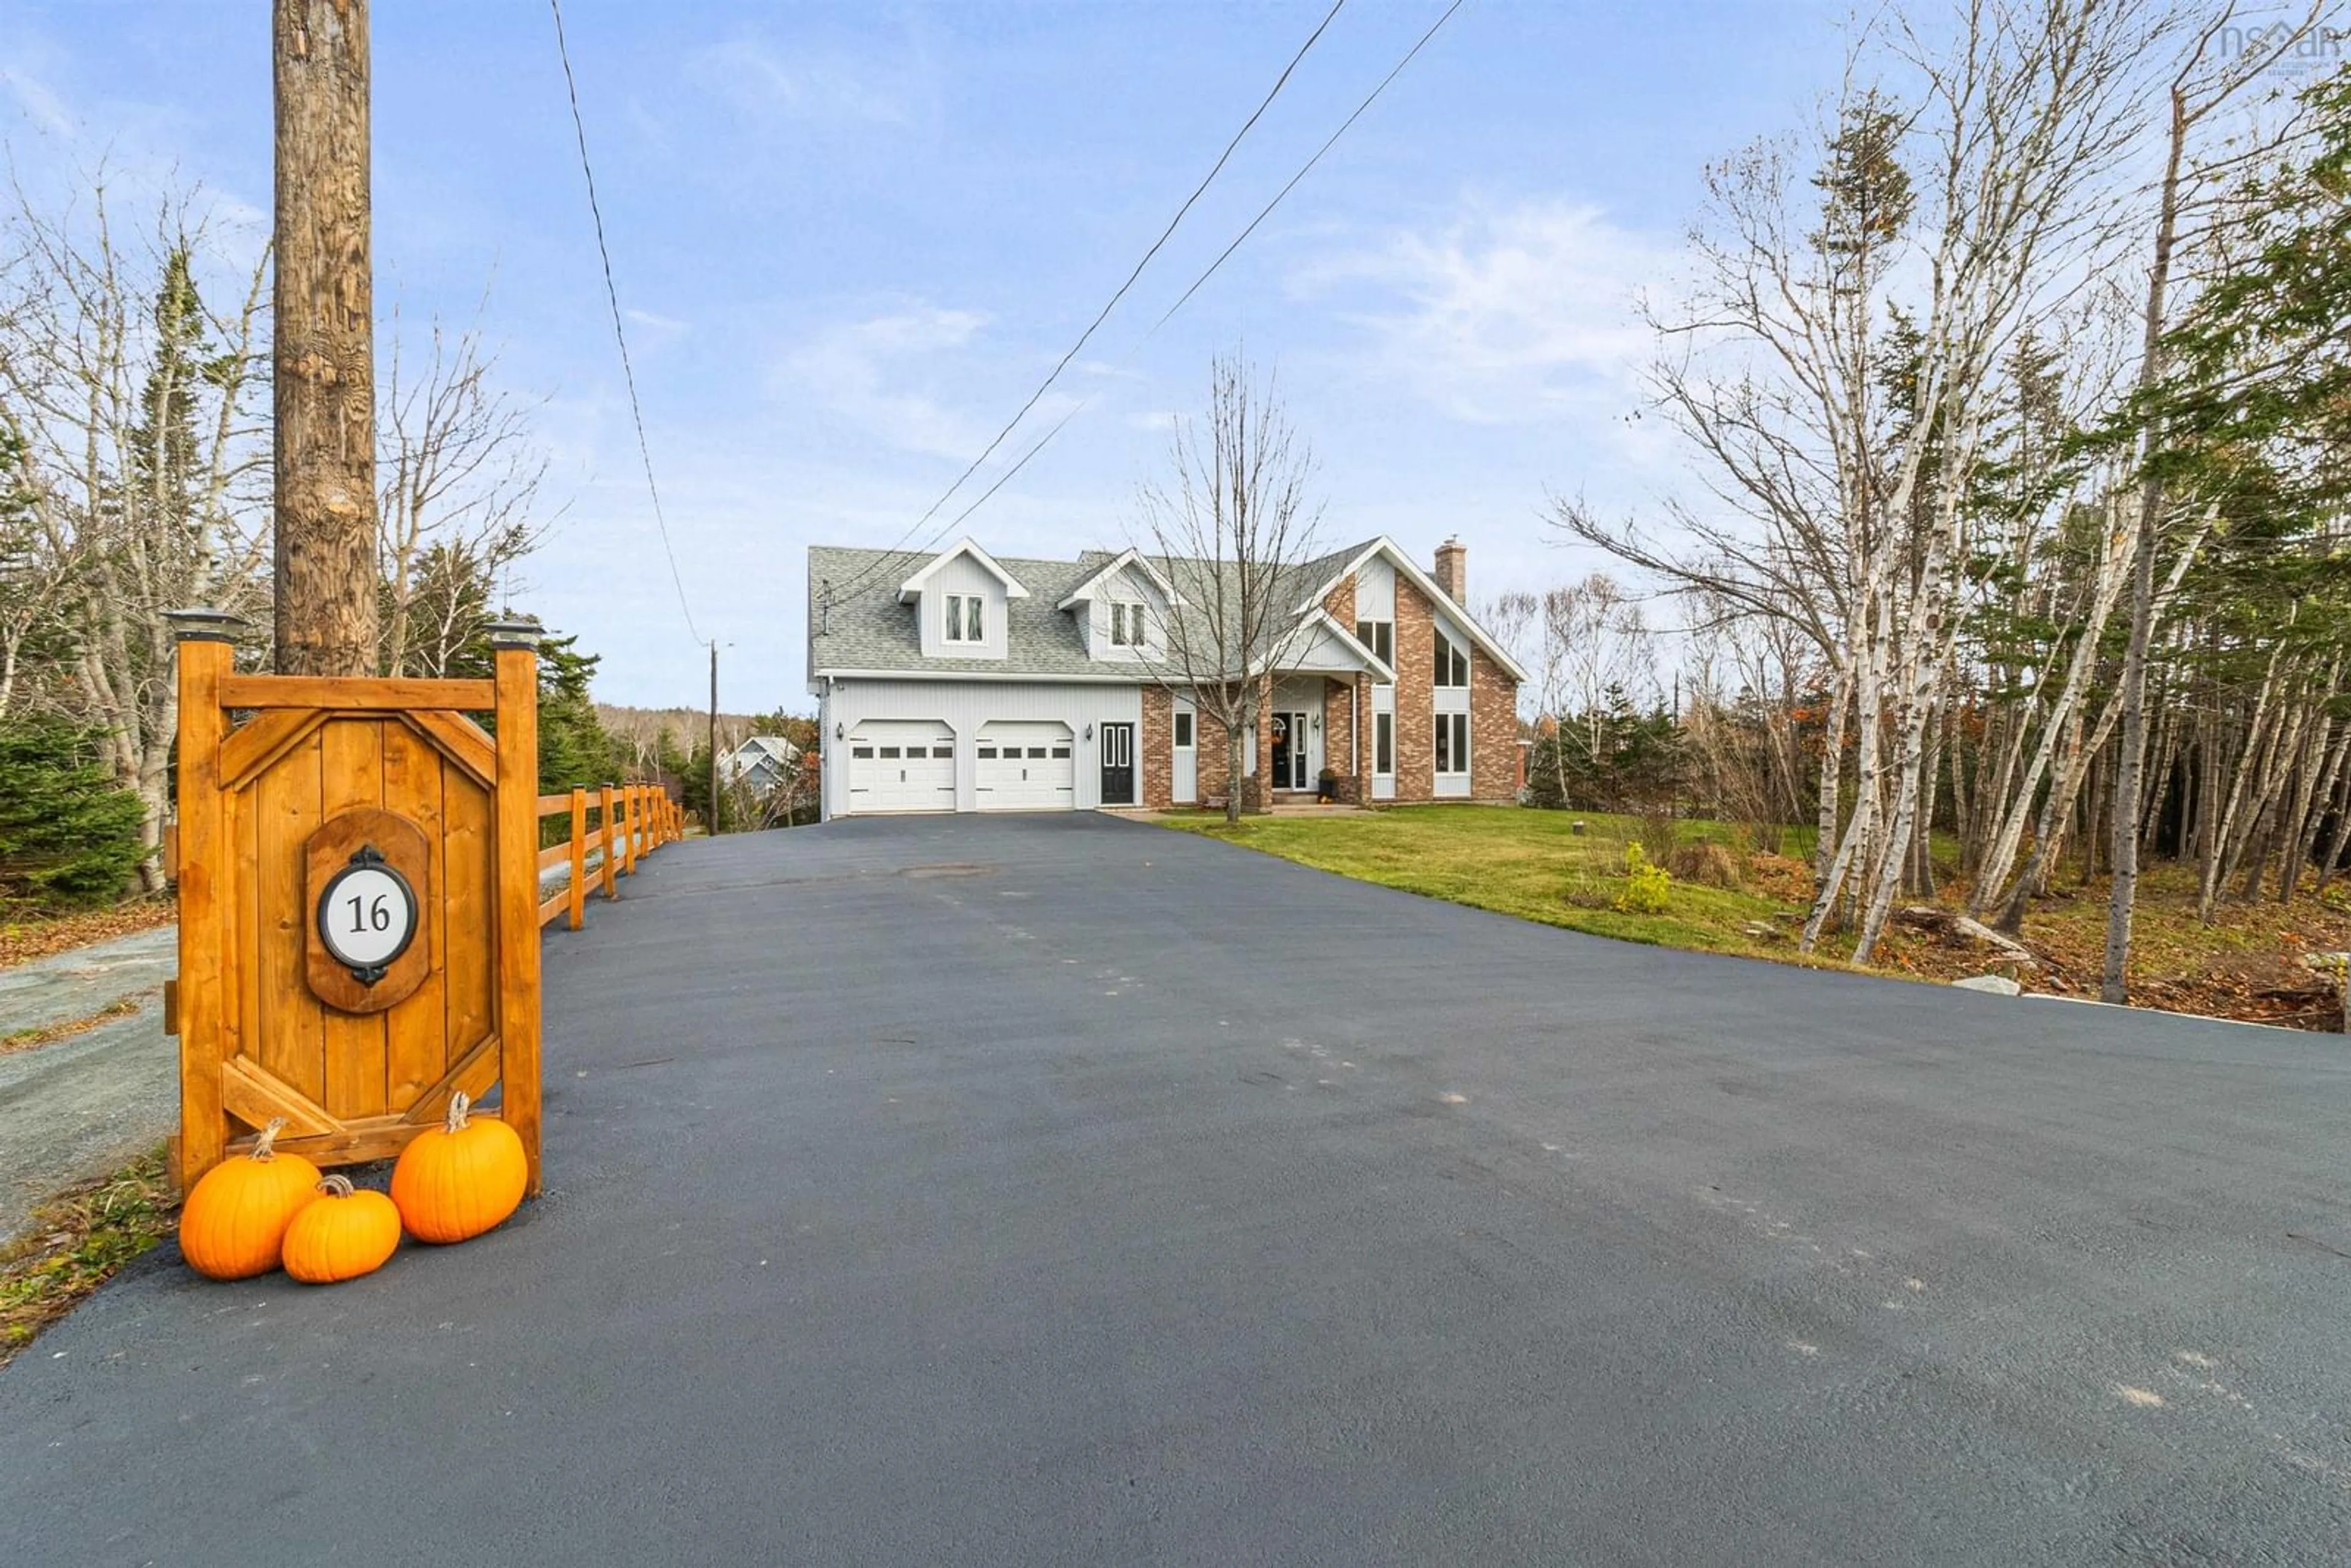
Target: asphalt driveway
point(1068, 1191)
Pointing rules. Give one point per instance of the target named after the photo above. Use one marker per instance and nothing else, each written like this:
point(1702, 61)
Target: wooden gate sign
point(370, 881)
point(359, 906)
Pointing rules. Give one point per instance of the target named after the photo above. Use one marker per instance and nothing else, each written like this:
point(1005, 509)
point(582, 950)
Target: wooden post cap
point(201, 625)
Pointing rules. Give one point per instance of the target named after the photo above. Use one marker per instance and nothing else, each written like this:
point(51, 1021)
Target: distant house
point(763, 762)
point(959, 682)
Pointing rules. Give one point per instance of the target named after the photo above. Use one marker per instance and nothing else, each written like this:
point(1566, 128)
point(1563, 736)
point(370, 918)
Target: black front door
point(1118, 765)
point(1281, 751)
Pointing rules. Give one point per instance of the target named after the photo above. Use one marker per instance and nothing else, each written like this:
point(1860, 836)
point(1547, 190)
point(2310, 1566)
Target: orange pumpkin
point(233, 1226)
point(347, 1232)
point(461, 1178)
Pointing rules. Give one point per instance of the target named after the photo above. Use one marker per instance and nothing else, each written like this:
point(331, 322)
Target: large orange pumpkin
point(460, 1178)
point(348, 1232)
point(233, 1226)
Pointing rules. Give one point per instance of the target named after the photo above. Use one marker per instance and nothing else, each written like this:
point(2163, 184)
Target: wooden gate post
point(205, 656)
point(518, 809)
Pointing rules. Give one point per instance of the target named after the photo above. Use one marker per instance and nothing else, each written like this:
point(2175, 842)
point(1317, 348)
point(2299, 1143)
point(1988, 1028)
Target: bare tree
point(1835, 367)
point(125, 397)
point(1228, 529)
point(460, 476)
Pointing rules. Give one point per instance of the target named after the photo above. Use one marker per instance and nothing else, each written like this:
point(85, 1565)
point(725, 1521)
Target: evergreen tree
point(68, 834)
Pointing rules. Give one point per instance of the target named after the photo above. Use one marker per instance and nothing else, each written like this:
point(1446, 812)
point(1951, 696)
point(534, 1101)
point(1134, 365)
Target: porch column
point(1361, 697)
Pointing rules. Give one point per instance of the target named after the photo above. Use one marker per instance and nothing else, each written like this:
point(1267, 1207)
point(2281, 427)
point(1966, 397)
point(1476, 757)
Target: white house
point(959, 682)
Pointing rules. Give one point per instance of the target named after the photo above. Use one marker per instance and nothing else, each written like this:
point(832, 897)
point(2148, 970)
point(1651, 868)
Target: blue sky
point(851, 240)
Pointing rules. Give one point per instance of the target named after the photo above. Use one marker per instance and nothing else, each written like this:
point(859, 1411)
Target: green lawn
point(2245, 963)
point(1530, 864)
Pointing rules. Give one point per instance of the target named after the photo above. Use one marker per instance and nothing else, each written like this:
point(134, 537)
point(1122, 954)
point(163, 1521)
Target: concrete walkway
point(1069, 1191)
point(81, 1106)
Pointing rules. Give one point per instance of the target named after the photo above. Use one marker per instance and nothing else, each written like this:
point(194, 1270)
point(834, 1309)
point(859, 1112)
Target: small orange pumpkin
point(233, 1226)
point(347, 1232)
point(461, 1178)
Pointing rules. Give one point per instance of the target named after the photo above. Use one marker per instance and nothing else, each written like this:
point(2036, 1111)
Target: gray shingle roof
point(867, 629)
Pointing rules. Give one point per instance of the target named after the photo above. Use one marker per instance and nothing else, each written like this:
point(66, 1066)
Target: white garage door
point(897, 765)
point(1026, 768)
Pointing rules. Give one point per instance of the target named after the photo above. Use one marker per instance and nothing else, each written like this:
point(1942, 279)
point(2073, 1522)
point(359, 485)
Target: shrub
point(1646, 883)
point(1707, 864)
point(68, 833)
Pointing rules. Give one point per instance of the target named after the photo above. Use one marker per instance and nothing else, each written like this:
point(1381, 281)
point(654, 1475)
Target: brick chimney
point(1453, 569)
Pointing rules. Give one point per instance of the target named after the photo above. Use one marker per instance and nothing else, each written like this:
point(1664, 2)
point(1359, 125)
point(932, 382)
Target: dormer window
point(963, 624)
point(1126, 629)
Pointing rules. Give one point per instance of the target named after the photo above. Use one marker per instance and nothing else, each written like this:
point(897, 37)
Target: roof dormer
point(960, 599)
point(913, 588)
point(1121, 609)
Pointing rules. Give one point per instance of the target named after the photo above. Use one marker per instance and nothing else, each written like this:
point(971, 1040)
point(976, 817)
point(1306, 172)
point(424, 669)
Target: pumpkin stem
point(336, 1185)
point(262, 1150)
point(456, 1118)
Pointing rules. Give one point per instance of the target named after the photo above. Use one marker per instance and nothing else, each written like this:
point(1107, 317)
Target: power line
point(1304, 169)
point(1104, 314)
point(612, 297)
point(1308, 167)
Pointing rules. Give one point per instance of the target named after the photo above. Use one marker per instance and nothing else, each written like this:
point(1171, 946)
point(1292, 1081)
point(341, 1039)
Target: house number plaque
point(370, 900)
point(367, 916)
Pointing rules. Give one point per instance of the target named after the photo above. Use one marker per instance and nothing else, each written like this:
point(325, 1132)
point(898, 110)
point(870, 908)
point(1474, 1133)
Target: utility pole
point(714, 738)
point(325, 342)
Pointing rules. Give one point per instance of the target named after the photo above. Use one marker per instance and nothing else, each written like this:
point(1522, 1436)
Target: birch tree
point(125, 396)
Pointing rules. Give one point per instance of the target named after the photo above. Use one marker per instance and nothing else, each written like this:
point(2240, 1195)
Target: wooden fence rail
point(631, 820)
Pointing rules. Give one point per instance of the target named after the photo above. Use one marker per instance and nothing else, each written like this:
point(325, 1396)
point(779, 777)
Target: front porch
point(1310, 751)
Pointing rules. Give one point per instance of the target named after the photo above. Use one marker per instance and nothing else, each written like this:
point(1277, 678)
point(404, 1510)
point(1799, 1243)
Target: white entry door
point(900, 764)
point(1026, 767)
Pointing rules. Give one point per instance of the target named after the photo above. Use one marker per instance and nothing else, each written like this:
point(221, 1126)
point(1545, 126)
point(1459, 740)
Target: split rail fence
point(632, 821)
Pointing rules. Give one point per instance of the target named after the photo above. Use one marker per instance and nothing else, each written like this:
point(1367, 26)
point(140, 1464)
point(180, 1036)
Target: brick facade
point(1493, 730)
point(1493, 721)
point(1416, 694)
point(1208, 739)
point(1157, 740)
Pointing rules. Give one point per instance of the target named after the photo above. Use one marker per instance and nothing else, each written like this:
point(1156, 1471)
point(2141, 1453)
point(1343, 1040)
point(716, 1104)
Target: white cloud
point(1504, 317)
point(857, 372)
point(39, 104)
point(763, 81)
point(653, 331)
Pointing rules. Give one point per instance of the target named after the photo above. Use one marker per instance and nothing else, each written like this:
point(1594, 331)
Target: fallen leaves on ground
point(21, 942)
point(32, 1039)
point(77, 1241)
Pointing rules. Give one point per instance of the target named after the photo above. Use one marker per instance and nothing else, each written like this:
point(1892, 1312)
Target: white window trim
point(963, 608)
point(1460, 758)
point(1455, 650)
